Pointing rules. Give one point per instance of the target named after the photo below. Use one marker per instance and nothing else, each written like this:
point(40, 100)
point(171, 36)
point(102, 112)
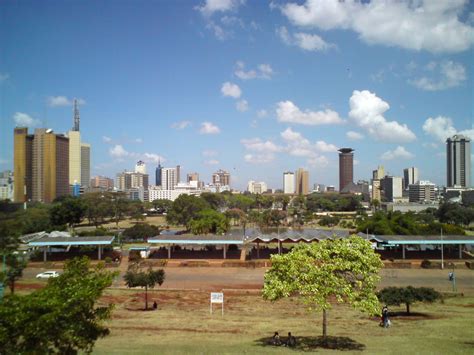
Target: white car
point(47, 274)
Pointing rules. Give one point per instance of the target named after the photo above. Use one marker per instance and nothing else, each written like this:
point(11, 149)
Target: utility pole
point(442, 250)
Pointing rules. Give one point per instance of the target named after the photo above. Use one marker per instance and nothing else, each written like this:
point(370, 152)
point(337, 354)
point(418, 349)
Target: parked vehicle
point(47, 274)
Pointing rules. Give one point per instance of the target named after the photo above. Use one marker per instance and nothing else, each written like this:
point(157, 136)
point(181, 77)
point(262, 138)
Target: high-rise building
point(169, 178)
point(192, 177)
point(158, 174)
point(410, 177)
point(131, 180)
point(377, 175)
point(102, 182)
point(346, 167)
point(74, 157)
point(302, 181)
point(256, 187)
point(458, 154)
point(221, 178)
point(289, 182)
point(392, 187)
point(85, 164)
point(6, 185)
point(421, 191)
point(140, 167)
point(22, 165)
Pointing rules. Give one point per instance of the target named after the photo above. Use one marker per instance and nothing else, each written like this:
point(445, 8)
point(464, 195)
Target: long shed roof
point(66, 241)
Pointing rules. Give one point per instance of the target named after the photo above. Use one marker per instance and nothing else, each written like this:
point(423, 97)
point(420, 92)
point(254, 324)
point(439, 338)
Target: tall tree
point(185, 208)
point(70, 210)
point(341, 270)
point(137, 277)
point(209, 221)
point(61, 318)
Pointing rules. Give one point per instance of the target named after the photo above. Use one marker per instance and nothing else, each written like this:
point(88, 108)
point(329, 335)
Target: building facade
point(257, 187)
point(169, 178)
point(102, 182)
point(289, 182)
point(346, 167)
point(221, 178)
point(140, 167)
point(302, 181)
point(74, 157)
point(458, 159)
point(392, 188)
point(85, 164)
point(410, 177)
point(421, 191)
point(158, 174)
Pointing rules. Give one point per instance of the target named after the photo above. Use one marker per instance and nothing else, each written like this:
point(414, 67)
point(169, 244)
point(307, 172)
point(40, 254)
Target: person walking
point(385, 319)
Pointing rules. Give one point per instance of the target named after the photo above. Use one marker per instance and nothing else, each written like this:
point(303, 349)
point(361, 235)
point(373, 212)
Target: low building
point(421, 191)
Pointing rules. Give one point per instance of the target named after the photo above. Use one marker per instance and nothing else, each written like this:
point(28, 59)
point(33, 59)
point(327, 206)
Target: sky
point(252, 87)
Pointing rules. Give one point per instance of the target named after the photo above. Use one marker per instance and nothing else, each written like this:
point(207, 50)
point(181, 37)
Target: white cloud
point(262, 113)
point(181, 124)
point(442, 127)
point(259, 158)
point(324, 147)
point(287, 111)
point(218, 31)
point(306, 41)
point(4, 77)
point(209, 153)
point(209, 128)
point(231, 90)
point(106, 139)
point(118, 151)
point(399, 153)
point(299, 146)
point(242, 105)
point(212, 6)
point(212, 162)
point(24, 120)
point(451, 74)
point(58, 101)
point(367, 111)
point(264, 71)
point(257, 145)
point(153, 158)
point(318, 162)
point(354, 136)
point(417, 25)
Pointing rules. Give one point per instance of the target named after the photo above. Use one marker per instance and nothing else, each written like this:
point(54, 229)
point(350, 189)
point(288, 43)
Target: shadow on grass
point(313, 343)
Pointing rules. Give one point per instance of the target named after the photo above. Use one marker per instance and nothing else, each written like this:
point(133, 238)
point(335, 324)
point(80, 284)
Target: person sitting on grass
point(291, 341)
point(276, 339)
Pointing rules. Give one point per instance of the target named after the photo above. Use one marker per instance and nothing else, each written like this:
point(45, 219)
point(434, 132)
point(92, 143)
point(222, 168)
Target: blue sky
point(253, 87)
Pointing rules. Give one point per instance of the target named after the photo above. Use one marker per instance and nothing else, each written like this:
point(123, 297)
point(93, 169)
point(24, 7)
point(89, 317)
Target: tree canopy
point(408, 295)
point(61, 318)
point(341, 270)
point(137, 277)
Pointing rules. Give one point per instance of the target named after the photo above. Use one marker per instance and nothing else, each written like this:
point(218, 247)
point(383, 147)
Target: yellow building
point(74, 157)
point(302, 181)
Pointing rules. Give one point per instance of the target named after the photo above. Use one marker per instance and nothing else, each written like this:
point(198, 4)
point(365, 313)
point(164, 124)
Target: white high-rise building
point(256, 187)
point(410, 177)
point(140, 167)
point(289, 182)
point(169, 178)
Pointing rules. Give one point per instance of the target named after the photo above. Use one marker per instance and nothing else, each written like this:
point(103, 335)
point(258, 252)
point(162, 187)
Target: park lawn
point(183, 325)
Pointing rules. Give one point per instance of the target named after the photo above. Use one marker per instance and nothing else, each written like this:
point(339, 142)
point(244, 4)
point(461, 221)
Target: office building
point(392, 188)
point(85, 164)
point(421, 191)
point(130, 180)
point(289, 182)
point(192, 177)
point(346, 167)
point(102, 182)
point(410, 177)
point(169, 178)
point(302, 181)
point(140, 167)
point(377, 175)
point(158, 174)
point(458, 159)
point(22, 164)
point(74, 157)
point(6, 185)
point(221, 178)
point(256, 187)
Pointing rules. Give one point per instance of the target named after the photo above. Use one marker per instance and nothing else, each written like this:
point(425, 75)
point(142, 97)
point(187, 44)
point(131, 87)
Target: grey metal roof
point(425, 239)
point(196, 239)
point(65, 241)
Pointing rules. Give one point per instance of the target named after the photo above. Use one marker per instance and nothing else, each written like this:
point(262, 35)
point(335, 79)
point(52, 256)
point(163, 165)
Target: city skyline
point(269, 87)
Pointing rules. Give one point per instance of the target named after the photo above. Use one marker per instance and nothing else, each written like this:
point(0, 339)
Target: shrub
point(134, 256)
point(108, 259)
point(426, 264)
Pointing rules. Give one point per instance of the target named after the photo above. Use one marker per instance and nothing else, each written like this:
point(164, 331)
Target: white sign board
point(217, 297)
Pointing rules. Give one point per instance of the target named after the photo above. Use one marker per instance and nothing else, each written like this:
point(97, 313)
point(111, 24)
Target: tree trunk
point(408, 308)
point(146, 297)
point(325, 324)
point(12, 287)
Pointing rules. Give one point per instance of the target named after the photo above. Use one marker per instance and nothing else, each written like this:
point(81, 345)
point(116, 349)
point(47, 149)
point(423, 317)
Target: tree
point(185, 208)
point(14, 270)
point(215, 200)
point(341, 270)
point(162, 206)
point(98, 207)
point(141, 231)
point(209, 221)
point(70, 210)
point(61, 318)
point(407, 295)
point(136, 277)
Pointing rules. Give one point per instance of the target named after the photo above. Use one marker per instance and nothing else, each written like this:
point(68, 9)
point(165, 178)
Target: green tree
point(98, 207)
point(140, 231)
point(408, 295)
point(282, 200)
point(15, 265)
point(70, 210)
point(185, 208)
point(162, 206)
point(209, 221)
point(136, 277)
point(61, 318)
point(242, 202)
point(341, 270)
point(215, 200)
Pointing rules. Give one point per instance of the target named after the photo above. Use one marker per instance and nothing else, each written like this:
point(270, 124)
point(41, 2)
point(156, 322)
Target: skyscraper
point(221, 178)
point(346, 167)
point(302, 181)
point(158, 174)
point(458, 158)
point(85, 164)
point(289, 182)
point(410, 177)
point(22, 168)
point(169, 178)
point(192, 177)
point(74, 157)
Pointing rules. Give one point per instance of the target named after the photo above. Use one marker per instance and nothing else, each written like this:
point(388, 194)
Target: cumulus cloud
point(209, 128)
point(212, 162)
point(209, 7)
point(231, 90)
point(442, 127)
point(118, 151)
point(106, 139)
point(354, 136)
point(434, 26)
point(367, 109)
point(256, 144)
point(263, 71)
point(398, 153)
point(181, 125)
point(58, 101)
point(24, 120)
point(451, 74)
point(306, 41)
point(262, 113)
point(242, 105)
point(287, 111)
point(153, 158)
point(259, 158)
point(298, 145)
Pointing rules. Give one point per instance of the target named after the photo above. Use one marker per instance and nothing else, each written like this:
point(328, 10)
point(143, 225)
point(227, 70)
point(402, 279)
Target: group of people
point(290, 341)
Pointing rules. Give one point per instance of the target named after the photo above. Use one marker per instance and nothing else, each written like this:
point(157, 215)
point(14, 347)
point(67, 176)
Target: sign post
point(217, 297)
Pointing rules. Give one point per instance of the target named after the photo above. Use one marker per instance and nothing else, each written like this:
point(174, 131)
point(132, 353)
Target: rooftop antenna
point(76, 116)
